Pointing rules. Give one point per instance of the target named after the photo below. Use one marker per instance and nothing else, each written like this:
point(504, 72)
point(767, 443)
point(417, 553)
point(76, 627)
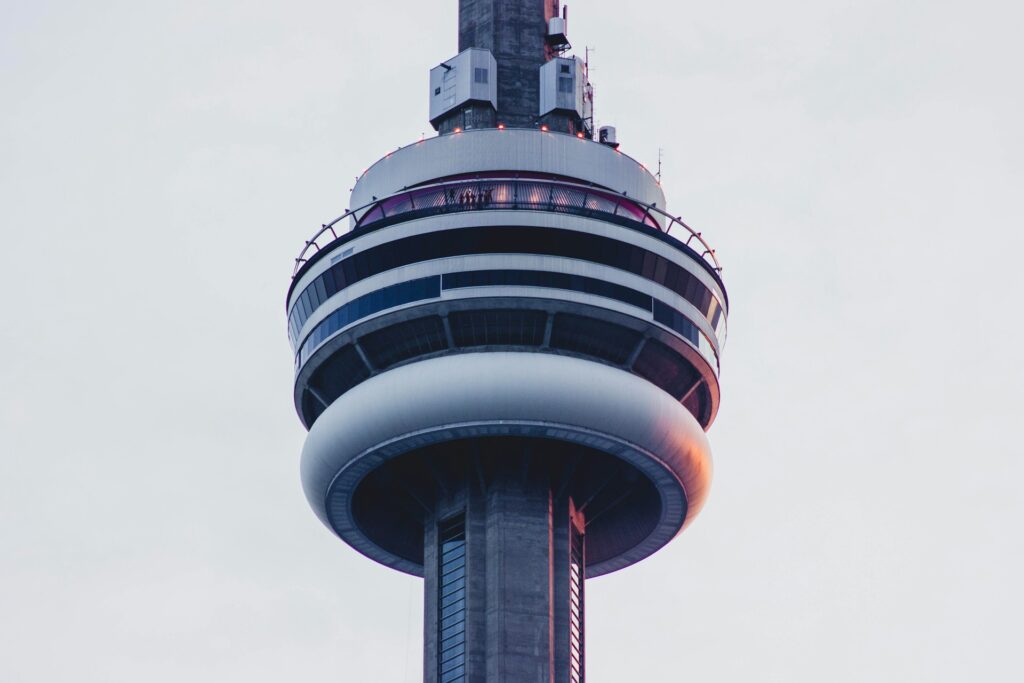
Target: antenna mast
point(588, 95)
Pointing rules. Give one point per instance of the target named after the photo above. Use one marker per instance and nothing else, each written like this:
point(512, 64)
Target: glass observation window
point(541, 278)
point(366, 305)
point(431, 287)
point(504, 240)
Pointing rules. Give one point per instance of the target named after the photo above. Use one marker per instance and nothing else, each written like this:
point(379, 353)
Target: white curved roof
point(511, 149)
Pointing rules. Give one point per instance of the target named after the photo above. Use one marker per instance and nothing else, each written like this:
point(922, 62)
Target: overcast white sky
point(858, 165)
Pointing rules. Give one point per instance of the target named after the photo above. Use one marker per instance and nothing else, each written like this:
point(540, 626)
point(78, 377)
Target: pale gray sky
point(857, 164)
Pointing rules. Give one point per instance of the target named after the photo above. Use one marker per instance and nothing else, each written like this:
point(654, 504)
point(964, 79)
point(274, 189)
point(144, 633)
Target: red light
point(579, 135)
point(458, 130)
point(501, 126)
point(544, 129)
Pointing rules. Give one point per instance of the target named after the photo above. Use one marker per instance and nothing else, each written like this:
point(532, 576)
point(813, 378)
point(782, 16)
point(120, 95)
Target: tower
point(507, 355)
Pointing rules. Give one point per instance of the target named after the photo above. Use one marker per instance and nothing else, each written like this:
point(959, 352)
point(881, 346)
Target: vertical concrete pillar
point(517, 615)
point(430, 586)
point(514, 31)
point(476, 583)
point(519, 583)
point(560, 575)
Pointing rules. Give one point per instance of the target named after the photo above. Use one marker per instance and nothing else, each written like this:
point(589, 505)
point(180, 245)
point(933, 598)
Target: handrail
point(313, 245)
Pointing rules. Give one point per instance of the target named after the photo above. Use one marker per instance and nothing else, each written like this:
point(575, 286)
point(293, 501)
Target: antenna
point(588, 95)
point(658, 174)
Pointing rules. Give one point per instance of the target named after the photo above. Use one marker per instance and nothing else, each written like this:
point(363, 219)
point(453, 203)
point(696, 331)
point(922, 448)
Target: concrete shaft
point(514, 31)
point(518, 606)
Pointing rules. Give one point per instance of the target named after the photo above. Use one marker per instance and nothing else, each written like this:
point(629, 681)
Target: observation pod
point(507, 356)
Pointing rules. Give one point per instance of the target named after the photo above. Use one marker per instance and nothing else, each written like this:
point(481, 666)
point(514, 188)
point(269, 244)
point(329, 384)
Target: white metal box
point(561, 86)
point(472, 75)
point(556, 31)
point(608, 136)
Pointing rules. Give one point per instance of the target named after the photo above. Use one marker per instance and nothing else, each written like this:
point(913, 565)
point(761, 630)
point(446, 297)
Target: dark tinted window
point(672, 318)
point(541, 278)
point(579, 334)
point(339, 373)
point(521, 240)
point(590, 337)
point(498, 328)
point(403, 341)
point(395, 295)
point(665, 368)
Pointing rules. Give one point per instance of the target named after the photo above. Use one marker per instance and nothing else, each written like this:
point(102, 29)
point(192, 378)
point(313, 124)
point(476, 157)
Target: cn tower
point(507, 356)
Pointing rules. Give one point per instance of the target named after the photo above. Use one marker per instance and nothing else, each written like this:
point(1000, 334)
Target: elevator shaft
point(503, 569)
point(514, 31)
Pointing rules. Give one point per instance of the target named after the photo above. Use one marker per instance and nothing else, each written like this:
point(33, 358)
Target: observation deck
point(484, 288)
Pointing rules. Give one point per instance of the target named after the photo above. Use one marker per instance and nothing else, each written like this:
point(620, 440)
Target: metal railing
point(503, 193)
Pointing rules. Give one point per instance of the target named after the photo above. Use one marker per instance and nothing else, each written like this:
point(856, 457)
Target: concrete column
point(430, 600)
point(517, 579)
point(514, 31)
point(560, 573)
point(519, 583)
point(476, 584)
